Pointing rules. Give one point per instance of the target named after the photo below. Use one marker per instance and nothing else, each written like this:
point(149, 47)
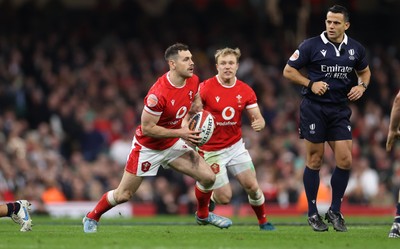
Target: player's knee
point(207, 181)
point(345, 165)
point(315, 163)
point(253, 191)
point(344, 162)
point(250, 185)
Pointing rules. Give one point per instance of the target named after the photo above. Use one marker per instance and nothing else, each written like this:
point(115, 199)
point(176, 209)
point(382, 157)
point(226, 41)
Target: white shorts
point(234, 159)
point(143, 161)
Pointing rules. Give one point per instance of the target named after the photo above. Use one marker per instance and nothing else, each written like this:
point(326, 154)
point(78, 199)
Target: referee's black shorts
point(321, 122)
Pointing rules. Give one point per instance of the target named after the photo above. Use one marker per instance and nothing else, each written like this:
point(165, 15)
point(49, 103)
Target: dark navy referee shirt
point(334, 65)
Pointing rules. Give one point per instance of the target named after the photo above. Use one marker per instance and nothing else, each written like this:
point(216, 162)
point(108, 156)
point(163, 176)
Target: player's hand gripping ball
point(204, 122)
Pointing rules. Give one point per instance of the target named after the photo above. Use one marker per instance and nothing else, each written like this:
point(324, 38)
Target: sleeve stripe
point(152, 112)
point(252, 106)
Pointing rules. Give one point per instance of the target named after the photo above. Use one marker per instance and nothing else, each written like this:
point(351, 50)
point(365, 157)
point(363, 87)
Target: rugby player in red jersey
point(227, 98)
point(160, 141)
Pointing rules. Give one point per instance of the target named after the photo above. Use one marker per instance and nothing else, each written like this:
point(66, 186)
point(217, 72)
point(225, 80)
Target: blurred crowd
point(72, 83)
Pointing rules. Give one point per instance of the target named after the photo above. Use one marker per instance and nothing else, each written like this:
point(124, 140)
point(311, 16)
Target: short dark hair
point(174, 50)
point(342, 10)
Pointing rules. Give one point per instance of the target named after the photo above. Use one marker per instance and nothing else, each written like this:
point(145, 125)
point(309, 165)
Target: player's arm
point(364, 77)
point(257, 120)
point(151, 129)
point(394, 124)
point(295, 76)
point(357, 91)
point(196, 107)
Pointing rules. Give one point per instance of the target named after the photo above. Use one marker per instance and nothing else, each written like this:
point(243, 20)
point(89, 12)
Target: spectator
point(363, 183)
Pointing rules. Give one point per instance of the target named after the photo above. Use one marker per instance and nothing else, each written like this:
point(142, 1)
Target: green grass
point(164, 232)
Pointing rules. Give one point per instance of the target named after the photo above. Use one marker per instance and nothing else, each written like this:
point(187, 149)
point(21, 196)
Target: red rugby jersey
point(171, 103)
point(226, 104)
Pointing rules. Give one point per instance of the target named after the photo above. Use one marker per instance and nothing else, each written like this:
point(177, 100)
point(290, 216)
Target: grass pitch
point(165, 232)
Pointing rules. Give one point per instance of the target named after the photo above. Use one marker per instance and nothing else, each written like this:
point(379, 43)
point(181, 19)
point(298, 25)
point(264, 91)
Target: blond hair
point(227, 51)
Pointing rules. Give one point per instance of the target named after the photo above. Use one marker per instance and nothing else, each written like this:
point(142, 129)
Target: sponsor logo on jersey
point(181, 112)
point(228, 113)
point(336, 68)
point(226, 123)
point(336, 71)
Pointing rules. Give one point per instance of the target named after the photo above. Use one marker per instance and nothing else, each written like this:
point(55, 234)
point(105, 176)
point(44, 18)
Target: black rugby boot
point(315, 221)
point(337, 220)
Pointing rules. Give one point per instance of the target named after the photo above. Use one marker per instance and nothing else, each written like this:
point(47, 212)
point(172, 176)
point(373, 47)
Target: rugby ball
point(204, 122)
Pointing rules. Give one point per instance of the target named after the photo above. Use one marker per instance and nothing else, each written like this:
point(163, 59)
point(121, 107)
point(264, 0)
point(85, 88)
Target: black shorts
point(321, 122)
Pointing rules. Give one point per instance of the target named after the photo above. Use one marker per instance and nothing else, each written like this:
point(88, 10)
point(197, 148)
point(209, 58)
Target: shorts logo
point(215, 168)
point(146, 166)
point(349, 127)
point(312, 128)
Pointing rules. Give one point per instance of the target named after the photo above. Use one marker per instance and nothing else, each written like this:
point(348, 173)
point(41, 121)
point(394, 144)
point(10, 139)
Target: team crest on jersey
point(239, 100)
point(215, 168)
point(152, 100)
point(295, 55)
point(351, 53)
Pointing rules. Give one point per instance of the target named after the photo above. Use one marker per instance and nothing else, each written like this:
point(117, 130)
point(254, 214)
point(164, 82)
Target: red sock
point(102, 206)
point(203, 200)
point(261, 213)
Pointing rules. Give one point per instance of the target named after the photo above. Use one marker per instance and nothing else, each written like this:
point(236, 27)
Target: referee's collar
point(325, 40)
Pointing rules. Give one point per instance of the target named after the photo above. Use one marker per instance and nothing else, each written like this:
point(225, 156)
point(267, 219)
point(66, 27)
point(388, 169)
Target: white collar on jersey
point(224, 85)
point(172, 84)
point(325, 40)
point(337, 50)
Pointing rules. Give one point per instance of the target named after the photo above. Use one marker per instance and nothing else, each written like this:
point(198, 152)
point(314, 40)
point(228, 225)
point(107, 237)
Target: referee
point(333, 61)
